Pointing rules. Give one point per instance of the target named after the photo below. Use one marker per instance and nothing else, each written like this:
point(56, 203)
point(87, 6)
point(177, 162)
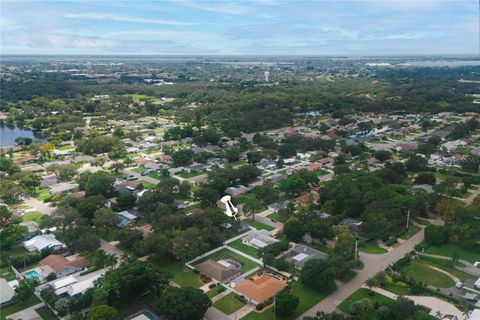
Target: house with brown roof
point(304, 199)
point(62, 266)
point(222, 270)
point(260, 288)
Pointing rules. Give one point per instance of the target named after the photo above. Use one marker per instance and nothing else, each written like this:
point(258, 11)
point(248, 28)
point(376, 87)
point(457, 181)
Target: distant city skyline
point(262, 27)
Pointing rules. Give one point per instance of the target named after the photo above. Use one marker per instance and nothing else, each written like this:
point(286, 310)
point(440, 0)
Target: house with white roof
point(259, 239)
point(43, 241)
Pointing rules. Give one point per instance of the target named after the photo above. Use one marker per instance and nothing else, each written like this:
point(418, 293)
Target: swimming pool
point(32, 274)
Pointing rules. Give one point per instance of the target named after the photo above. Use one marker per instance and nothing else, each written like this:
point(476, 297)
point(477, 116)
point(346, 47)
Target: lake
point(9, 134)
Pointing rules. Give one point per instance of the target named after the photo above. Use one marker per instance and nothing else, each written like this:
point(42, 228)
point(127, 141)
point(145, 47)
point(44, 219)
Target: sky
point(261, 27)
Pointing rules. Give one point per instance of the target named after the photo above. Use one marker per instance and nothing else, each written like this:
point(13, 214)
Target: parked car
point(131, 177)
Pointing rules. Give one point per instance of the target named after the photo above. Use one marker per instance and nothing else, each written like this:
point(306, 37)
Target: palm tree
point(250, 206)
point(371, 282)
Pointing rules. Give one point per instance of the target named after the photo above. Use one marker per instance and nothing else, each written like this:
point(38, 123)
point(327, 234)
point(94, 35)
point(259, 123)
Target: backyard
point(247, 264)
point(239, 245)
point(181, 274)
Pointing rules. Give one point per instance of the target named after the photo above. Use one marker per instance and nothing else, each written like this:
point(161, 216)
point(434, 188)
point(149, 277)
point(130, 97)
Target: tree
point(64, 217)
point(102, 312)
point(105, 218)
point(100, 183)
point(294, 230)
point(24, 290)
point(11, 234)
point(82, 239)
point(425, 178)
point(371, 282)
point(254, 157)
point(5, 215)
point(285, 303)
point(232, 154)
point(132, 279)
point(316, 274)
point(382, 155)
point(287, 150)
point(48, 295)
point(436, 235)
point(267, 193)
point(345, 244)
point(126, 200)
point(293, 185)
point(207, 196)
point(250, 206)
point(416, 163)
point(182, 157)
point(185, 303)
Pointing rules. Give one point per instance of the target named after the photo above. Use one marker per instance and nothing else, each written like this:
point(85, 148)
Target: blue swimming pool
point(32, 274)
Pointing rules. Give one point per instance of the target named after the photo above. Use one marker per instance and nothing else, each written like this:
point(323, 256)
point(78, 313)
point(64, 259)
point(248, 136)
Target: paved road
point(140, 177)
point(215, 314)
point(433, 303)
point(373, 264)
point(39, 206)
point(468, 200)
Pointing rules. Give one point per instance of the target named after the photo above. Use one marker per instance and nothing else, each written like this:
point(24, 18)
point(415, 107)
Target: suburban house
point(49, 181)
point(222, 270)
point(75, 284)
point(258, 239)
point(63, 187)
point(275, 207)
point(301, 254)
point(352, 224)
point(260, 288)
point(236, 191)
point(127, 219)
point(6, 293)
point(62, 266)
point(304, 199)
point(43, 241)
point(32, 227)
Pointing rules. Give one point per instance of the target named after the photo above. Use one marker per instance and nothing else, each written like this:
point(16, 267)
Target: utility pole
point(408, 218)
point(356, 249)
point(275, 306)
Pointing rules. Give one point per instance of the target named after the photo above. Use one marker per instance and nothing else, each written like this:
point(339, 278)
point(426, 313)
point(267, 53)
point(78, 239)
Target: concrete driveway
point(39, 206)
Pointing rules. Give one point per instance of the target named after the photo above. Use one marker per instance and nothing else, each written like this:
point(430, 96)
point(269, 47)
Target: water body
point(9, 134)
point(442, 63)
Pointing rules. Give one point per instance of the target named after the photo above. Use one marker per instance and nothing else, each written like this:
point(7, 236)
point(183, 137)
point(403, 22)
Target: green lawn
point(32, 216)
point(251, 251)
point(412, 230)
point(449, 249)
point(372, 248)
point(181, 275)
point(137, 97)
point(421, 271)
point(46, 314)
point(213, 292)
point(423, 222)
point(265, 315)
point(308, 297)
point(41, 194)
point(65, 147)
point(147, 185)
point(191, 173)
point(228, 304)
point(361, 293)
point(276, 217)
point(138, 169)
point(14, 308)
point(258, 225)
point(448, 266)
point(247, 264)
point(397, 289)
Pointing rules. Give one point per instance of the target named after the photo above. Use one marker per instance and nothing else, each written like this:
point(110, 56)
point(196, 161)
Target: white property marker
point(230, 209)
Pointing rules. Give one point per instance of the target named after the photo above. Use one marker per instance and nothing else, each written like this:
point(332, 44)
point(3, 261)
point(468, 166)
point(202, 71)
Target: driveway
point(111, 249)
point(372, 265)
point(39, 206)
point(27, 314)
point(215, 314)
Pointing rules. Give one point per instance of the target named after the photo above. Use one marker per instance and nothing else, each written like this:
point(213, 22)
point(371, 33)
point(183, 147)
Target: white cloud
point(122, 18)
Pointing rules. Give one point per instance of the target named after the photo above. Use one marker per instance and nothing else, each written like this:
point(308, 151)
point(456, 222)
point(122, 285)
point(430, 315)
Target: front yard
point(238, 244)
point(449, 249)
point(360, 294)
point(228, 304)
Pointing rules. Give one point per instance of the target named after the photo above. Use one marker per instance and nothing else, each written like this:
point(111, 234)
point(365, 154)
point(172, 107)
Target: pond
point(9, 134)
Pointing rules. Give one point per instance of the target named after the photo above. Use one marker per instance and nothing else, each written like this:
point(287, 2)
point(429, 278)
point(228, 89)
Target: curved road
point(372, 265)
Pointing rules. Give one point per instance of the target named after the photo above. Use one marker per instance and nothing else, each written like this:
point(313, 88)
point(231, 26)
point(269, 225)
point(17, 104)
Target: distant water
point(442, 63)
point(9, 134)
